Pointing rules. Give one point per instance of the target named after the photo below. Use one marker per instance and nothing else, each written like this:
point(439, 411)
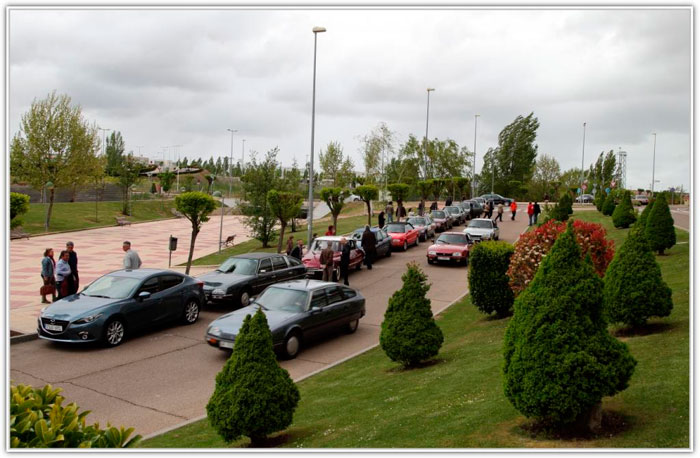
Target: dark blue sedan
point(121, 302)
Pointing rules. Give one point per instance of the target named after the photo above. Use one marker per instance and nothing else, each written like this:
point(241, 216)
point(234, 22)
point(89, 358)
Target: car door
point(412, 234)
point(381, 243)
point(296, 268)
point(173, 292)
point(282, 272)
point(141, 312)
point(356, 255)
point(317, 314)
point(266, 276)
point(336, 308)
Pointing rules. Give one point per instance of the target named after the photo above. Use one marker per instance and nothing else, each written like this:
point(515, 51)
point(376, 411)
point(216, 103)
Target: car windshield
point(241, 266)
point(480, 224)
point(640, 197)
point(112, 287)
point(453, 239)
point(452, 210)
point(283, 300)
point(319, 245)
point(417, 221)
point(396, 228)
point(438, 214)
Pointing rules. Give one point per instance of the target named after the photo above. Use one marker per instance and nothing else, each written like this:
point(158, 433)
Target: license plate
point(53, 327)
point(443, 258)
point(223, 344)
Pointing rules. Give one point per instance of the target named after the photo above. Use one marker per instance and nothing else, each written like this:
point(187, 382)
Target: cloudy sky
point(166, 77)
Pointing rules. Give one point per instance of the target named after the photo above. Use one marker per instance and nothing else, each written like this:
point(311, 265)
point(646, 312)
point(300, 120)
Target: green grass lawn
point(458, 402)
point(68, 216)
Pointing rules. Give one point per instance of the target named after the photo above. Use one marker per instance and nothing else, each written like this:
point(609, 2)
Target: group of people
point(295, 251)
point(533, 211)
point(61, 278)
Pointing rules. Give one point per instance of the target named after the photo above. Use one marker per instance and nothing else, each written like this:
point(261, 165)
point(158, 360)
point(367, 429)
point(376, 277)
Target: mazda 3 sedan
point(120, 302)
point(295, 311)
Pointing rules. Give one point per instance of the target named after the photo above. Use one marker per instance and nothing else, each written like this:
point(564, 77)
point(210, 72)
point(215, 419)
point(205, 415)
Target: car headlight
point(88, 319)
point(456, 254)
point(42, 310)
point(432, 253)
point(214, 331)
point(218, 292)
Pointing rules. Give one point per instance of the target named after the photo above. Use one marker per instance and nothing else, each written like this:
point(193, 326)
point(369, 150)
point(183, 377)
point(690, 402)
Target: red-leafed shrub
point(533, 245)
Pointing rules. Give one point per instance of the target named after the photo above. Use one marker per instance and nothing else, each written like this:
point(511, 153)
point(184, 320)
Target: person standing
point(421, 207)
point(48, 267)
point(380, 220)
point(400, 211)
point(389, 212)
point(500, 212)
point(73, 262)
point(298, 250)
point(290, 244)
point(513, 209)
point(326, 261)
point(63, 275)
point(490, 210)
point(369, 244)
point(131, 258)
point(434, 206)
point(344, 260)
point(530, 212)
point(331, 230)
point(448, 201)
point(536, 212)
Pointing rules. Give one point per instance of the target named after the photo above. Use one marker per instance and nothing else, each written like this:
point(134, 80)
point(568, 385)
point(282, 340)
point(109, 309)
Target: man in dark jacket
point(344, 260)
point(369, 244)
point(448, 202)
point(326, 261)
point(536, 211)
point(73, 263)
point(298, 251)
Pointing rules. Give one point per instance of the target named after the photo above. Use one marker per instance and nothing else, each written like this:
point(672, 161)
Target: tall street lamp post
point(583, 149)
point(474, 160)
point(243, 156)
point(653, 166)
point(230, 164)
point(427, 116)
point(221, 224)
point(310, 215)
point(104, 131)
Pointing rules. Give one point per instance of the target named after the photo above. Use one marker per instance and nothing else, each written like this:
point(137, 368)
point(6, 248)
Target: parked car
point(457, 213)
point(120, 302)
point(482, 229)
point(295, 311)
point(311, 258)
point(497, 199)
point(383, 245)
point(243, 276)
point(402, 234)
point(474, 207)
point(353, 198)
point(585, 198)
point(450, 247)
point(425, 226)
point(441, 219)
point(640, 199)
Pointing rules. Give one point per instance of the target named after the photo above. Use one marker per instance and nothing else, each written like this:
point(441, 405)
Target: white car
point(481, 229)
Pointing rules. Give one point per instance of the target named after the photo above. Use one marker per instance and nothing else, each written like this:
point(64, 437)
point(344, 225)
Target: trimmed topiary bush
point(642, 220)
point(609, 204)
point(624, 214)
point(254, 396)
point(559, 359)
point(659, 228)
point(599, 200)
point(634, 290)
point(409, 333)
point(19, 205)
point(488, 282)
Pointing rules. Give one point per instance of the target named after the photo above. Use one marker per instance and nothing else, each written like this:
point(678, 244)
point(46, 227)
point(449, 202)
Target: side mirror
point(143, 295)
point(262, 271)
point(315, 310)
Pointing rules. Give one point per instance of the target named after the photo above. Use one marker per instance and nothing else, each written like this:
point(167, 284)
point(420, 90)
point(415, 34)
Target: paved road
point(681, 217)
point(164, 378)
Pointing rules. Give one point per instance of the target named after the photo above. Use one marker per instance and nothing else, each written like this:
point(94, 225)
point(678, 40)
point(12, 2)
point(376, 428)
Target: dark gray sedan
point(121, 302)
point(383, 245)
point(241, 277)
point(295, 311)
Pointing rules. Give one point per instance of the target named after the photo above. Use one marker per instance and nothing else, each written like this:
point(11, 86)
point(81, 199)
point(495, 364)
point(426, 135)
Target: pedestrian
point(63, 275)
point(490, 210)
point(290, 244)
point(448, 201)
point(73, 261)
point(331, 230)
point(389, 212)
point(48, 268)
point(513, 209)
point(530, 212)
point(298, 250)
point(410, 212)
point(421, 207)
point(313, 237)
point(500, 212)
point(400, 211)
point(380, 220)
point(344, 260)
point(326, 261)
point(434, 206)
point(131, 258)
point(369, 244)
point(536, 212)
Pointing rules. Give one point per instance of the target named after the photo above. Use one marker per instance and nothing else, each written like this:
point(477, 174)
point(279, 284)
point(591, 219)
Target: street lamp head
point(318, 29)
point(231, 130)
point(431, 89)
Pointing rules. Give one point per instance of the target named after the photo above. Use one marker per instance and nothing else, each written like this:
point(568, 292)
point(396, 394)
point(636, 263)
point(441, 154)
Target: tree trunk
point(125, 201)
point(591, 419)
point(279, 244)
point(195, 231)
point(48, 211)
point(335, 221)
point(369, 212)
point(258, 440)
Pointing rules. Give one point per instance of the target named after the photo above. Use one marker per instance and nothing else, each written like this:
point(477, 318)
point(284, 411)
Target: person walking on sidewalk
point(63, 275)
point(499, 217)
point(131, 258)
point(389, 212)
point(536, 212)
point(48, 267)
point(513, 209)
point(530, 213)
point(326, 261)
point(344, 260)
point(73, 262)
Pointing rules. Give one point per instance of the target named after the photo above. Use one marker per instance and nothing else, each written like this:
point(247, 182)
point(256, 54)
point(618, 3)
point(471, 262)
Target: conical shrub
point(409, 333)
point(642, 220)
point(624, 214)
point(659, 229)
point(488, 282)
point(599, 200)
point(609, 205)
point(634, 290)
point(559, 359)
point(253, 396)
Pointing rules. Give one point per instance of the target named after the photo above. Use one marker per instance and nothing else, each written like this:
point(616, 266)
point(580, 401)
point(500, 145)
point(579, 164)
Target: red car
point(441, 219)
point(402, 234)
point(311, 258)
point(450, 247)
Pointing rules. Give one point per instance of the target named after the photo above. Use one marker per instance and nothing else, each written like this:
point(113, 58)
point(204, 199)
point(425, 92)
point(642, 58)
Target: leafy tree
point(425, 187)
point(602, 173)
point(560, 360)
point(409, 333)
point(128, 173)
point(399, 192)
point(285, 206)
point(570, 178)
point(259, 178)
point(166, 180)
point(515, 154)
point(460, 185)
point(114, 151)
point(335, 199)
point(438, 186)
point(563, 208)
point(346, 174)
point(624, 213)
point(368, 193)
point(377, 146)
point(545, 178)
point(19, 205)
point(488, 282)
point(253, 396)
point(634, 290)
point(609, 204)
point(195, 206)
point(331, 161)
point(659, 229)
point(54, 144)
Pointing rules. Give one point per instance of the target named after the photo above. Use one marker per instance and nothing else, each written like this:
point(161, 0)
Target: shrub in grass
point(153, 188)
point(624, 213)
point(39, 420)
point(254, 396)
point(19, 205)
point(634, 290)
point(599, 200)
point(609, 204)
point(559, 359)
point(642, 220)
point(659, 228)
point(409, 333)
point(562, 209)
point(488, 282)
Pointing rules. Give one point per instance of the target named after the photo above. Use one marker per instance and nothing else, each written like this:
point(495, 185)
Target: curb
point(23, 338)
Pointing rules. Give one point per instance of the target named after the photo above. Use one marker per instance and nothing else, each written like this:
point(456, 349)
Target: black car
point(240, 277)
point(497, 199)
point(474, 207)
point(458, 214)
point(295, 312)
point(383, 245)
point(120, 302)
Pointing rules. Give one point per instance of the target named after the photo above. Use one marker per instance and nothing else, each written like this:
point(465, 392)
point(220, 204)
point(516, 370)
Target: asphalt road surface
point(163, 378)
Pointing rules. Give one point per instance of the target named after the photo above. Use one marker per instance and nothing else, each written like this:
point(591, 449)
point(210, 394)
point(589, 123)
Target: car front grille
point(50, 321)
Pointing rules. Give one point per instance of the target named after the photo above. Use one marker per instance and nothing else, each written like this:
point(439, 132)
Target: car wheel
point(405, 246)
point(191, 312)
point(495, 237)
point(416, 242)
point(422, 237)
point(388, 252)
point(244, 298)
point(114, 332)
point(292, 344)
point(430, 261)
point(351, 327)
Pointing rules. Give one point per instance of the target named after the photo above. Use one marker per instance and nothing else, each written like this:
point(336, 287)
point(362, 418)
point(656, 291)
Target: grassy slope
point(459, 402)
